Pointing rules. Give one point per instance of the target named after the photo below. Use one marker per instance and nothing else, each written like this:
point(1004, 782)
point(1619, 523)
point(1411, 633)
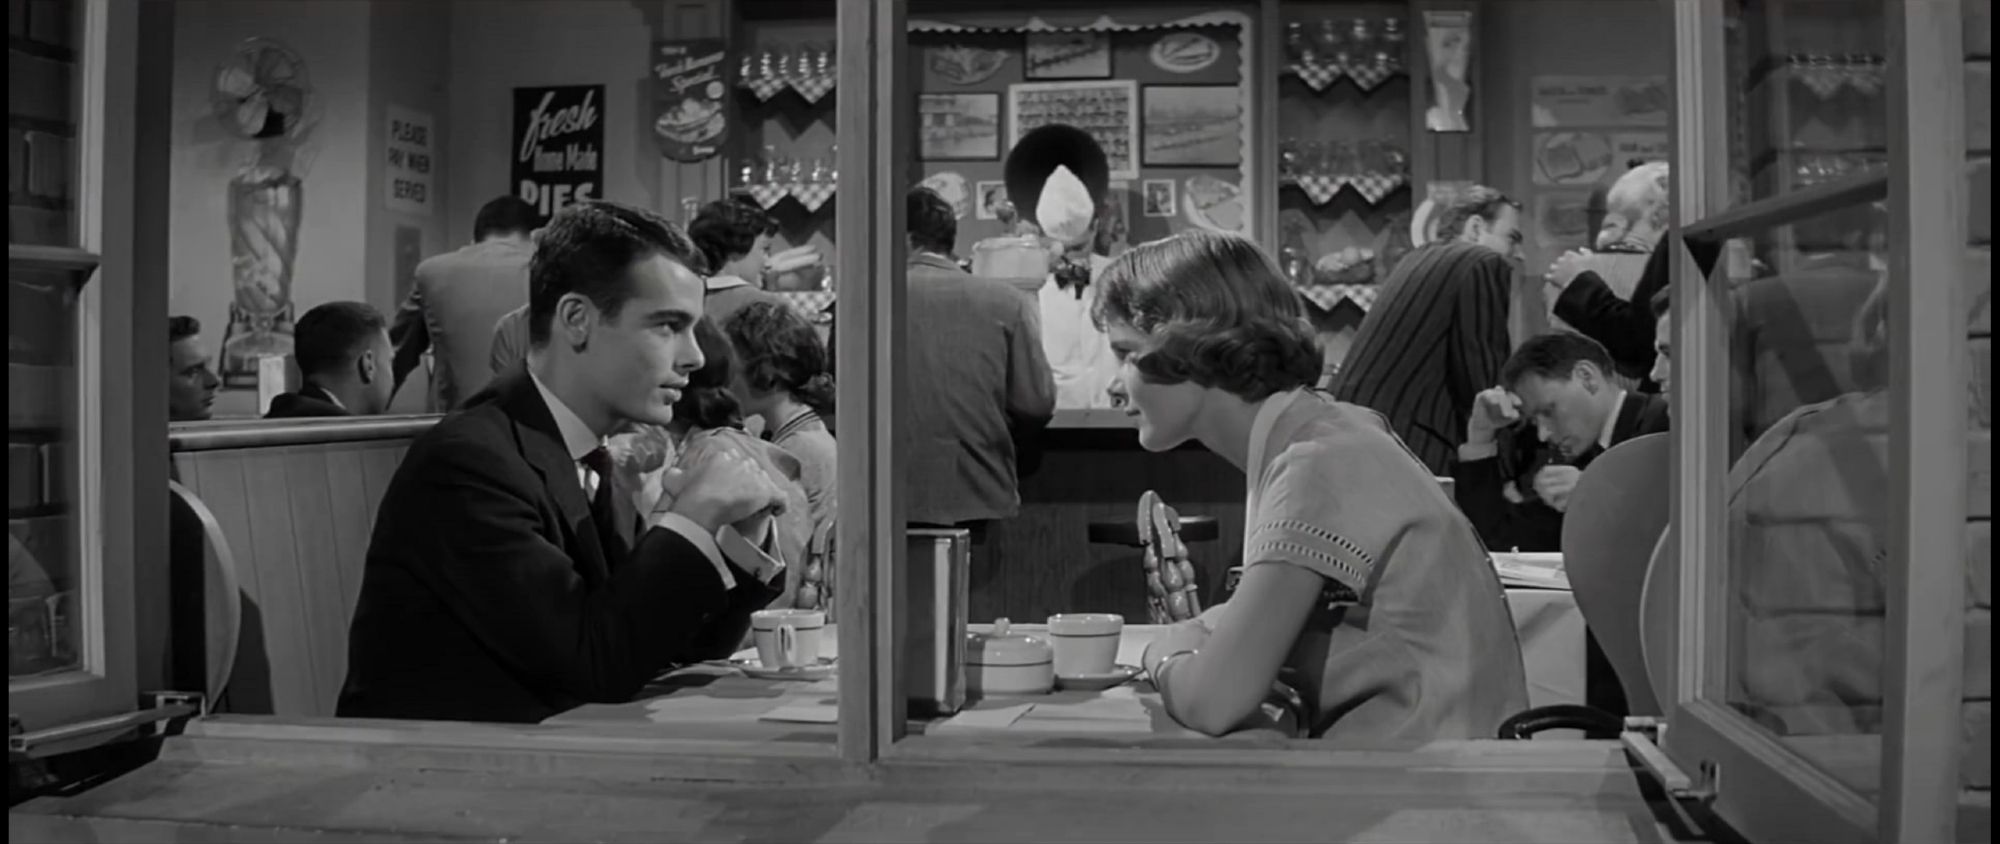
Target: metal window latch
point(167, 708)
point(1641, 737)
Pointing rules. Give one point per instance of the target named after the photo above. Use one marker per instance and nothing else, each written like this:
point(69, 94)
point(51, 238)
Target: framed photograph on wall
point(1108, 110)
point(1160, 197)
point(990, 195)
point(1193, 125)
point(959, 127)
point(1068, 55)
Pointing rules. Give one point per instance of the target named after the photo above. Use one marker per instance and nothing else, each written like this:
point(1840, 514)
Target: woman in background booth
point(782, 375)
point(709, 416)
point(1364, 588)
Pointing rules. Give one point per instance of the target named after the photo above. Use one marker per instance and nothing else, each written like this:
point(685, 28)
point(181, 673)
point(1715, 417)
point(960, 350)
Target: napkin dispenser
point(939, 569)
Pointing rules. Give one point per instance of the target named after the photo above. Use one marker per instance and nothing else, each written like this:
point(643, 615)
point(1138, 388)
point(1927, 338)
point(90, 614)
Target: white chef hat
point(1065, 209)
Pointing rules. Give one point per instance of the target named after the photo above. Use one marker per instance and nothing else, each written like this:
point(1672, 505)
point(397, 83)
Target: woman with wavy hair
point(1364, 588)
point(783, 376)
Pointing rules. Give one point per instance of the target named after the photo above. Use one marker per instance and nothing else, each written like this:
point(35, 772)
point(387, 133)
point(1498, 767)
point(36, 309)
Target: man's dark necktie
point(603, 505)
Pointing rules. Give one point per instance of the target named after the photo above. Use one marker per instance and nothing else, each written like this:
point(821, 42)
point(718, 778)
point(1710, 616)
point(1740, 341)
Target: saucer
point(819, 670)
point(1118, 675)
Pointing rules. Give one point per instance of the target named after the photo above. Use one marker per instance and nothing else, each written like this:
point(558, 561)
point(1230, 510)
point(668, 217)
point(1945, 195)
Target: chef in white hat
point(1060, 175)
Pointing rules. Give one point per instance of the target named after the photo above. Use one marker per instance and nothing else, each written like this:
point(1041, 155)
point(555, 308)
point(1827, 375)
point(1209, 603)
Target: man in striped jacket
point(1438, 335)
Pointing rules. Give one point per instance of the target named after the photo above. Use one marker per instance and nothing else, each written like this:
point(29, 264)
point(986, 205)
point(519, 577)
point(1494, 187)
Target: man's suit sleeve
point(1625, 328)
point(1481, 343)
point(410, 335)
point(481, 548)
point(1031, 385)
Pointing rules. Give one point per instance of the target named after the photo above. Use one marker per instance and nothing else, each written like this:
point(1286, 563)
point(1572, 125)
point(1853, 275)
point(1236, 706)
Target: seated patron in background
point(784, 377)
point(708, 417)
point(1364, 587)
point(191, 383)
point(1438, 333)
point(735, 237)
point(458, 298)
point(343, 353)
point(508, 579)
point(1564, 384)
point(976, 359)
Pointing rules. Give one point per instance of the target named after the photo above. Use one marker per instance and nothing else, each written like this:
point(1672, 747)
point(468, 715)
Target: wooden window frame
point(1764, 789)
point(110, 504)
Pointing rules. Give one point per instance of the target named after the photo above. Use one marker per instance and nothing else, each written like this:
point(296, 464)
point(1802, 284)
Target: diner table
point(717, 700)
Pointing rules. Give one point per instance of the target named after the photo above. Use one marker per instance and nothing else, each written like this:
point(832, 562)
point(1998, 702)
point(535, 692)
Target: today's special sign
point(558, 146)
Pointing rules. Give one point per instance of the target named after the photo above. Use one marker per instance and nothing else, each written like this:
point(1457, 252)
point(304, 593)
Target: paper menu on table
point(804, 713)
point(996, 718)
point(1536, 571)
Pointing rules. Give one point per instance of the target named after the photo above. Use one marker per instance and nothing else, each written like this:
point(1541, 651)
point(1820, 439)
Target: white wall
point(332, 38)
point(496, 47)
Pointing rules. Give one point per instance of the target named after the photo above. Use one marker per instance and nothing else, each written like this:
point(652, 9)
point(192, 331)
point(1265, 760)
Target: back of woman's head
point(706, 402)
point(1215, 310)
point(777, 350)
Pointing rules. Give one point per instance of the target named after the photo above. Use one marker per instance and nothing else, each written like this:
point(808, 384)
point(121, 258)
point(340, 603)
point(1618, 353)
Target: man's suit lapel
point(542, 445)
point(1641, 414)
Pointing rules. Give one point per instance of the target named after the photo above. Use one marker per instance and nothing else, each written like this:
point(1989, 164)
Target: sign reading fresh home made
point(558, 146)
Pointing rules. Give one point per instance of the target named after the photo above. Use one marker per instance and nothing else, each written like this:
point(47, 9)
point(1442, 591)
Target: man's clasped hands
point(1495, 408)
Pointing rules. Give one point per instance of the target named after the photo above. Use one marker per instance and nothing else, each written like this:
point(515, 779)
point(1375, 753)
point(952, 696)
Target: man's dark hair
point(588, 249)
point(706, 402)
point(182, 327)
point(1554, 356)
point(1662, 302)
point(726, 229)
point(1479, 201)
point(332, 335)
point(506, 215)
point(933, 224)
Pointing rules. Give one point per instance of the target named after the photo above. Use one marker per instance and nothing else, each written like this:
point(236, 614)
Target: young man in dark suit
point(1560, 383)
point(508, 578)
point(343, 353)
point(1438, 333)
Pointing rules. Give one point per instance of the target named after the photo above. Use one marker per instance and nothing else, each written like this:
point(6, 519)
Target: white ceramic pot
point(1007, 663)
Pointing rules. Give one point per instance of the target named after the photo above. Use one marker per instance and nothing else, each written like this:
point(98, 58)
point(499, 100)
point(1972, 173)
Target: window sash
point(103, 459)
point(1763, 787)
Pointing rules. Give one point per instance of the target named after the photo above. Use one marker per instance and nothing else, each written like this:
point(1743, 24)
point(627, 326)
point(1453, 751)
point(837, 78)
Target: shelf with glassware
point(1813, 111)
point(1340, 198)
point(785, 161)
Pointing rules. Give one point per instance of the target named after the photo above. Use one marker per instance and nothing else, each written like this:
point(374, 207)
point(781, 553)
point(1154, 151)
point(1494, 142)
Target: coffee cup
point(1085, 644)
point(787, 638)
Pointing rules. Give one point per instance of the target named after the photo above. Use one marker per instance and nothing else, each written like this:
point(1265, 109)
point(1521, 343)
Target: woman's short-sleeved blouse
point(1414, 641)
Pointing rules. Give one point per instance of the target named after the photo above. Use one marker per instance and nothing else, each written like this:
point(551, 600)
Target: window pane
point(42, 79)
point(1812, 106)
point(1807, 501)
point(42, 548)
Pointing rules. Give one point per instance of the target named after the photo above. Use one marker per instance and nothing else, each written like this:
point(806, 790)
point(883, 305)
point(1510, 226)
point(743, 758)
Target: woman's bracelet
point(1160, 668)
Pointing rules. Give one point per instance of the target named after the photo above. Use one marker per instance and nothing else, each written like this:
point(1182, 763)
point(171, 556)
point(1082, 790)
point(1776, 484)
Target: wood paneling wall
point(298, 518)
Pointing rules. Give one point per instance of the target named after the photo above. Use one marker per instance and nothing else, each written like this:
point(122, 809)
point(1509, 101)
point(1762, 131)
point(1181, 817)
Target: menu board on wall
point(558, 146)
point(1108, 110)
point(1568, 101)
point(690, 85)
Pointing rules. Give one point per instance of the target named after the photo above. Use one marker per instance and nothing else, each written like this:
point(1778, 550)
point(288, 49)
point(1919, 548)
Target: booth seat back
point(295, 506)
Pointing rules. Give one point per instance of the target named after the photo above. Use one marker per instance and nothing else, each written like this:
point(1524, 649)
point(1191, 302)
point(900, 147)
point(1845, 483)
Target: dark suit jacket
point(1435, 337)
point(1625, 327)
point(488, 595)
point(1505, 525)
point(981, 390)
point(309, 402)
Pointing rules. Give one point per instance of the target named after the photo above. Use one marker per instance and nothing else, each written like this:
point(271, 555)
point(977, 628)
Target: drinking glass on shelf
point(1394, 158)
point(772, 165)
point(1333, 42)
point(747, 71)
point(767, 64)
point(1296, 45)
point(1361, 40)
point(1312, 158)
point(1288, 158)
point(1394, 41)
point(747, 170)
point(826, 60)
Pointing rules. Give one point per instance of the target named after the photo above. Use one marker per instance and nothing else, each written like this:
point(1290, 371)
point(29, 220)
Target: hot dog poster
point(690, 90)
point(558, 146)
